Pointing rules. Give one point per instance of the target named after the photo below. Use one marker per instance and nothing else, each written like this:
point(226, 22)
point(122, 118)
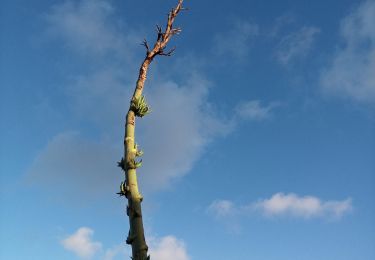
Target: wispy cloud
point(280, 204)
point(351, 72)
point(87, 27)
point(296, 44)
point(253, 110)
point(236, 41)
point(222, 208)
point(226, 212)
point(81, 243)
point(281, 22)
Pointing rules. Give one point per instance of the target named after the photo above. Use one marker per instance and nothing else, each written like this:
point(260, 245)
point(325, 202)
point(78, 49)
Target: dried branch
point(169, 53)
point(163, 37)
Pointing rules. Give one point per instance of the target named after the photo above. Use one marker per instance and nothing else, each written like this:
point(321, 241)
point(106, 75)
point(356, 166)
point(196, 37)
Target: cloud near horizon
point(160, 248)
point(81, 244)
point(168, 248)
point(280, 204)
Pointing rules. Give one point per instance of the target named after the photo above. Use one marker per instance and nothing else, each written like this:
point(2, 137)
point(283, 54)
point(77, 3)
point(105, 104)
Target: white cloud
point(296, 44)
point(307, 206)
point(236, 42)
point(281, 204)
point(253, 110)
point(81, 243)
point(351, 71)
point(160, 248)
point(168, 248)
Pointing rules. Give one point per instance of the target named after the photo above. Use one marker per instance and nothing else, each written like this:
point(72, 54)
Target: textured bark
point(128, 163)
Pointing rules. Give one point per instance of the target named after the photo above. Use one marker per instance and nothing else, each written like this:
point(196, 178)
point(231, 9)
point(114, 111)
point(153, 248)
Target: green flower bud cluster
point(139, 106)
point(138, 153)
point(132, 164)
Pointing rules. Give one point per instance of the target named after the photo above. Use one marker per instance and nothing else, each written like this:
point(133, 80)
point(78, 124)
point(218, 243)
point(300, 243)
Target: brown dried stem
point(164, 37)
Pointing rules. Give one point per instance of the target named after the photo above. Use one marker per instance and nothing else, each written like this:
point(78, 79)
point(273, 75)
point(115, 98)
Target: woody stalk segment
point(139, 108)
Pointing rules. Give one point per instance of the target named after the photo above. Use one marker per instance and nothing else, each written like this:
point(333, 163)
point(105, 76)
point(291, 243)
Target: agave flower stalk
point(129, 163)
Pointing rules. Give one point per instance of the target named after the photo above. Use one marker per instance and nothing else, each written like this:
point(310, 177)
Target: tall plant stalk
point(139, 108)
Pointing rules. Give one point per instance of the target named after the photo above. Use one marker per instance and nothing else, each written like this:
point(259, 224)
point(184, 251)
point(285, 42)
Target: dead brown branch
point(163, 37)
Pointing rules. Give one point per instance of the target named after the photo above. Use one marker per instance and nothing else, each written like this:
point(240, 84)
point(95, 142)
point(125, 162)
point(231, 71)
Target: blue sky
point(260, 144)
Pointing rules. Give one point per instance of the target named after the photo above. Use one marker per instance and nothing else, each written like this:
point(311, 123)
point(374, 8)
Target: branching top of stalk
point(163, 37)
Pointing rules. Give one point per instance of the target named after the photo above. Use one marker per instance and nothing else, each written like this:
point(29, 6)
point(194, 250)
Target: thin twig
point(169, 53)
point(144, 43)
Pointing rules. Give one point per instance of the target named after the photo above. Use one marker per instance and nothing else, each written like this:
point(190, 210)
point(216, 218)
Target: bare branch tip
point(169, 53)
point(144, 43)
point(177, 30)
point(158, 28)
